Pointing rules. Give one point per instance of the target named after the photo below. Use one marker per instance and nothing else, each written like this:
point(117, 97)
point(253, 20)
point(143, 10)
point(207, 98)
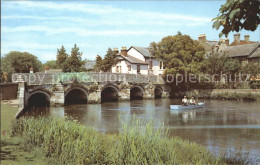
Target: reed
point(136, 143)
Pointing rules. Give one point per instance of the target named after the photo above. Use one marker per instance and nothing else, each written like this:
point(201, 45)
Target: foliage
point(19, 62)
point(236, 15)
point(220, 63)
point(106, 63)
point(50, 64)
point(98, 65)
point(251, 68)
point(61, 57)
point(74, 62)
point(180, 55)
point(73, 143)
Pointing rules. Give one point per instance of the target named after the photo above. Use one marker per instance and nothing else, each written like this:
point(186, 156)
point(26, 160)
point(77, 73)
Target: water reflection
point(221, 125)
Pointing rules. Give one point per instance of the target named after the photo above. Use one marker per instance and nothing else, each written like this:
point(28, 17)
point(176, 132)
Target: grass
point(71, 143)
point(12, 152)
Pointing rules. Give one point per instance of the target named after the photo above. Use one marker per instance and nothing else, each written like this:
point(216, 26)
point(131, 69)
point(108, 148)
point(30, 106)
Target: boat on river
point(180, 107)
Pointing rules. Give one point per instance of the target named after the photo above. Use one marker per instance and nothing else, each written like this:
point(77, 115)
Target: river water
point(220, 126)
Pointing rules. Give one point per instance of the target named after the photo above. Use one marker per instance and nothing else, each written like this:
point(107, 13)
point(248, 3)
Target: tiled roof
point(131, 59)
point(256, 53)
point(144, 51)
point(242, 50)
point(212, 43)
point(242, 42)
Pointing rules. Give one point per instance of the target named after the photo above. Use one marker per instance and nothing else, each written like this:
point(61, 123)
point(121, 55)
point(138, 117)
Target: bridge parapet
point(47, 78)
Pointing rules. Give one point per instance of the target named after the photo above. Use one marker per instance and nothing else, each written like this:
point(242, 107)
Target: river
point(220, 126)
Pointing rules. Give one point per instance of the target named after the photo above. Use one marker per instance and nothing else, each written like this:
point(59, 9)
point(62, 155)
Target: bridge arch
point(39, 98)
point(136, 93)
point(76, 95)
point(109, 93)
point(158, 92)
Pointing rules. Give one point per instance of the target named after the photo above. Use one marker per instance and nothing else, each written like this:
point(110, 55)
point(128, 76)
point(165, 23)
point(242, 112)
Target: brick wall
point(8, 91)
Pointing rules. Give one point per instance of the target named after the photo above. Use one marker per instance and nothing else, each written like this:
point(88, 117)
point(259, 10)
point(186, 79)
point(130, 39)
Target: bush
point(73, 143)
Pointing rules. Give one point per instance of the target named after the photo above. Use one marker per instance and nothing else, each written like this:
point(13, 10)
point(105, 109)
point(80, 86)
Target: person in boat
point(192, 101)
point(184, 101)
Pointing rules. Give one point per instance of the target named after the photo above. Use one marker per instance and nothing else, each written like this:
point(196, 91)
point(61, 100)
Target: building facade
point(137, 60)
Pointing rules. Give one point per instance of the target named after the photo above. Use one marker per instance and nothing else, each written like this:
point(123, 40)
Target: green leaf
point(234, 12)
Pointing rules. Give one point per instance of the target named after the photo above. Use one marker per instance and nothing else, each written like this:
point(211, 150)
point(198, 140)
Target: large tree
point(109, 60)
point(19, 62)
point(179, 53)
point(74, 63)
point(61, 56)
point(181, 56)
point(236, 15)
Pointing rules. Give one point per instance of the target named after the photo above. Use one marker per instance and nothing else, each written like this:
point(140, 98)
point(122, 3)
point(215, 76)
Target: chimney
point(247, 38)
point(237, 38)
point(116, 50)
point(202, 38)
point(31, 70)
point(227, 41)
point(124, 51)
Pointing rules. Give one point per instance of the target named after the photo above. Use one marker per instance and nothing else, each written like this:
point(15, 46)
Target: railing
point(48, 78)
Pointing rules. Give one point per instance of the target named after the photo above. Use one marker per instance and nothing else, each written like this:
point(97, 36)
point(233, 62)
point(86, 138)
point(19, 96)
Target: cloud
point(77, 31)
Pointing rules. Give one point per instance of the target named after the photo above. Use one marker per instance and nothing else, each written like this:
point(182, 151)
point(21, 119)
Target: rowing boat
point(180, 107)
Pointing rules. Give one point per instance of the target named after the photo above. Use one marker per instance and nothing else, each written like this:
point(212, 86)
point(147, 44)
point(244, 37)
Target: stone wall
point(8, 91)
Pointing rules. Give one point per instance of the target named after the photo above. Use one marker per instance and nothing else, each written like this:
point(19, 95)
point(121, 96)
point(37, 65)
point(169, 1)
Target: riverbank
point(70, 142)
point(223, 94)
point(12, 152)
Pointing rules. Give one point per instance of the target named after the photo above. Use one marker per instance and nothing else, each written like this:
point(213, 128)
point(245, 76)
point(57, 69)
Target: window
point(138, 68)
point(129, 67)
point(150, 64)
point(117, 69)
point(161, 65)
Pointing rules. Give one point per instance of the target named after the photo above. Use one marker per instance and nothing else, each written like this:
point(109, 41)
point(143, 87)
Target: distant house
point(244, 53)
point(89, 65)
point(137, 60)
point(238, 41)
point(207, 44)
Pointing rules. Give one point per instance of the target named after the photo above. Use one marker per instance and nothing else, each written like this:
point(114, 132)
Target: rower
point(184, 101)
point(192, 101)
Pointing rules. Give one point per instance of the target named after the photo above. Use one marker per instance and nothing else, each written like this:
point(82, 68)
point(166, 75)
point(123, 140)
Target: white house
point(137, 60)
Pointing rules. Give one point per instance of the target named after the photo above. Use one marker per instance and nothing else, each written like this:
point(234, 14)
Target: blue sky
point(40, 27)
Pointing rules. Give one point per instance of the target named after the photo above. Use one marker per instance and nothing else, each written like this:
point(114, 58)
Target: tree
point(109, 60)
point(236, 15)
point(179, 53)
point(19, 62)
point(61, 57)
point(51, 64)
point(74, 62)
point(98, 66)
point(181, 56)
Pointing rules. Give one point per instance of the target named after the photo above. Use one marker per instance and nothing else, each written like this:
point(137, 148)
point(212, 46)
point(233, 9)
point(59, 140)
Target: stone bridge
point(42, 89)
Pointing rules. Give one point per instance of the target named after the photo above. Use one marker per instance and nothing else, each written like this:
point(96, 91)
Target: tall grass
point(139, 143)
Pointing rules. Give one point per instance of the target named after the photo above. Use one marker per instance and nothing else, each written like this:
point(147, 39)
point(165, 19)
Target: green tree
point(19, 62)
point(236, 15)
point(109, 60)
point(51, 64)
point(61, 57)
point(74, 63)
point(181, 56)
point(99, 63)
point(179, 53)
